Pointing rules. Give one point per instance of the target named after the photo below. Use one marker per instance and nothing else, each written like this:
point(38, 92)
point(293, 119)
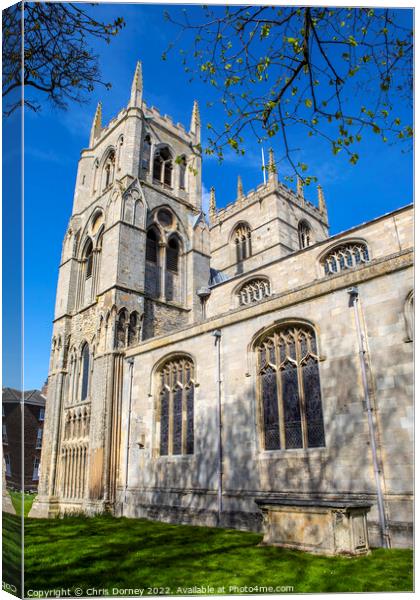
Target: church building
point(200, 366)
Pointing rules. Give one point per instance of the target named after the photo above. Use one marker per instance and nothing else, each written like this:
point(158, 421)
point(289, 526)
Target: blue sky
point(379, 183)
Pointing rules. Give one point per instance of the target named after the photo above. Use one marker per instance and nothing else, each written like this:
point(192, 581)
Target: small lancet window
point(305, 234)
point(151, 246)
point(85, 372)
point(172, 255)
point(147, 147)
point(182, 172)
point(109, 167)
point(89, 259)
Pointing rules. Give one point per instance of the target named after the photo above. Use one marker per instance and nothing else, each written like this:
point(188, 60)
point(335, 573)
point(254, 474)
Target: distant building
point(34, 411)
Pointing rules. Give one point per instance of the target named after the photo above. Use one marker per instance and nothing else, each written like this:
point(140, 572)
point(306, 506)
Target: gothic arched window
point(120, 329)
point(88, 258)
point(289, 389)
point(147, 147)
point(182, 172)
point(133, 329)
point(176, 406)
point(109, 167)
point(162, 166)
point(242, 239)
point(346, 256)
point(254, 291)
point(85, 372)
point(304, 233)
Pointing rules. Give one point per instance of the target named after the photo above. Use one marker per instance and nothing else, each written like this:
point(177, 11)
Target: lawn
point(17, 502)
point(106, 553)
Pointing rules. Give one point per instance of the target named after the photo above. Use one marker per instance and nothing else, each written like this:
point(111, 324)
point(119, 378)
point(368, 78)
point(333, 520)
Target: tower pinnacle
point(212, 205)
point(136, 97)
point(96, 125)
point(240, 192)
point(195, 127)
point(299, 186)
point(322, 206)
point(272, 170)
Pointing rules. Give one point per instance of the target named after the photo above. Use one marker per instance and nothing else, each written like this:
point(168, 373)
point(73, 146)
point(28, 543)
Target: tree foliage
point(332, 72)
point(57, 59)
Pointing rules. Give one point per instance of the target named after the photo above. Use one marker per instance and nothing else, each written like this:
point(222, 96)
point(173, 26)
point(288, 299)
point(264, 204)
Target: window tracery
point(305, 234)
point(346, 256)
point(176, 406)
point(242, 239)
point(254, 291)
point(289, 389)
point(163, 166)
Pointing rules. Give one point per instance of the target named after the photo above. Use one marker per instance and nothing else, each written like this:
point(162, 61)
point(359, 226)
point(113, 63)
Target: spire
point(322, 207)
point(195, 127)
point(96, 125)
point(136, 97)
point(272, 170)
point(212, 205)
point(240, 192)
point(299, 186)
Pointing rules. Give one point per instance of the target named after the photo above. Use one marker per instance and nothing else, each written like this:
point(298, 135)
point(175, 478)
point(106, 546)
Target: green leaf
point(308, 103)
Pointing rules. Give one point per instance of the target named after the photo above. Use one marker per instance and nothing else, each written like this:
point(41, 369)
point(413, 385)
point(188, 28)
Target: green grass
point(17, 502)
point(106, 553)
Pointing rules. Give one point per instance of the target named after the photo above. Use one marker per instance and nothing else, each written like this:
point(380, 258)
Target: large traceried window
point(289, 389)
point(345, 256)
point(176, 406)
point(242, 239)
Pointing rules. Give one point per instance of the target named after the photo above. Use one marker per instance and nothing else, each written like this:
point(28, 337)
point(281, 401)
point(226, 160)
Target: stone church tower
point(134, 254)
point(198, 369)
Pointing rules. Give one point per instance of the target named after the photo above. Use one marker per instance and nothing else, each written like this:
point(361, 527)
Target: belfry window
point(304, 233)
point(85, 372)
point(242, 239)
point(151, 246)
point(346, 256)
point(172, 254)
point(162, 167)
point(289, 389)
point(176, 406)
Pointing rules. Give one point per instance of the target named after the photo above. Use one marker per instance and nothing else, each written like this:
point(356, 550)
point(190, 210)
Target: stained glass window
point(176, 398)
point(290, 391)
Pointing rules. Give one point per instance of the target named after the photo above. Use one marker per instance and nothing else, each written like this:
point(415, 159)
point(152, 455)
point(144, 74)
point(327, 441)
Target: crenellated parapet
point(260, 192)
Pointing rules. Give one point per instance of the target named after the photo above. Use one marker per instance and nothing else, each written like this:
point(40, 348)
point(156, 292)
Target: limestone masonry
point(198, 368)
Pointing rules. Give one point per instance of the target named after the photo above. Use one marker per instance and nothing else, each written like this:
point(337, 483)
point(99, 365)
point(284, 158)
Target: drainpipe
point(130, 362)
point(218, 338)
point(354, 302)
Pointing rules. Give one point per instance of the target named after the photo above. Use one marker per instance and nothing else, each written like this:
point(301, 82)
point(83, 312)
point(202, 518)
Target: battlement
point(259, 193)
point(165, 120)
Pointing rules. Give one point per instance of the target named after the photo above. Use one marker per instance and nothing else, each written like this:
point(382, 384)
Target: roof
point(34, 397)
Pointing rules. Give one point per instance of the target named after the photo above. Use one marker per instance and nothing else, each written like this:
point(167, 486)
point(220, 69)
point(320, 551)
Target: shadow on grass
point(104, 552)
